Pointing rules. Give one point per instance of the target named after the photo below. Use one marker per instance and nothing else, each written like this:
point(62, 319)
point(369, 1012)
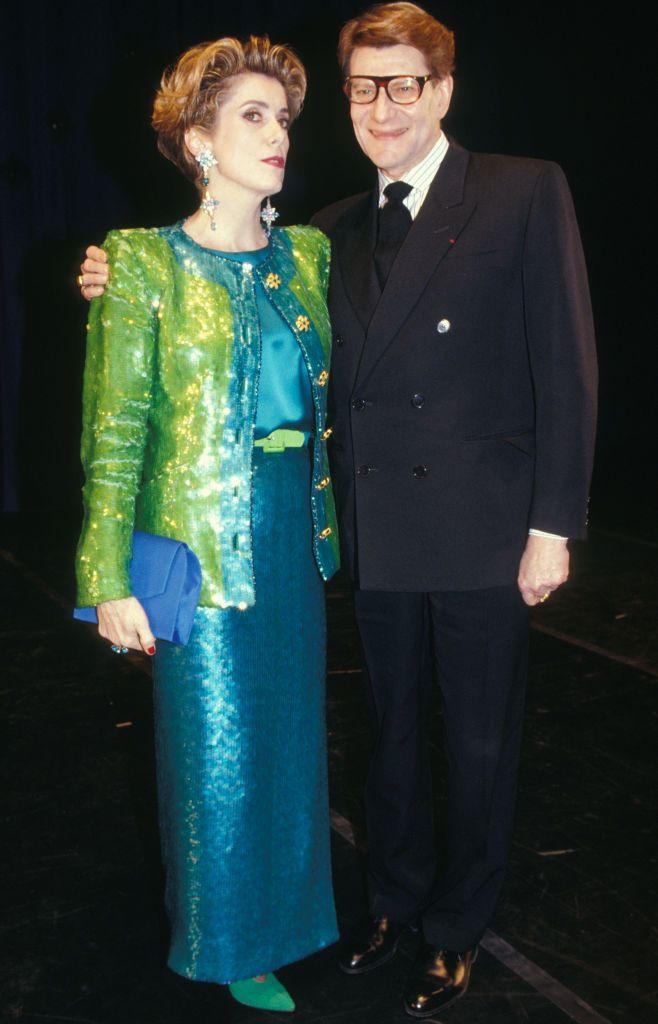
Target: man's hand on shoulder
point(94, 273)
point(544, 567)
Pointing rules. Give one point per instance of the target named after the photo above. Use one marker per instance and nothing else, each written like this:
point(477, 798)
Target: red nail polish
point(150, 650)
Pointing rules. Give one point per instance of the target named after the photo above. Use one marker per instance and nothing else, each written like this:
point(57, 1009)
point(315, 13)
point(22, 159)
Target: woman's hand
point(124, 622)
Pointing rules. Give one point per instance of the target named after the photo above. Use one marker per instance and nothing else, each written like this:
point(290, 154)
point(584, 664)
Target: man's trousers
point(480, 641)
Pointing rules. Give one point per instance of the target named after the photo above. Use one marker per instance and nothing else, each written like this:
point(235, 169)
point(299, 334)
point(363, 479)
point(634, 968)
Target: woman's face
point(250, 138)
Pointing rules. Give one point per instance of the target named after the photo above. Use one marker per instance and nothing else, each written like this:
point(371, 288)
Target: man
point(463, 386)
point(463, 383)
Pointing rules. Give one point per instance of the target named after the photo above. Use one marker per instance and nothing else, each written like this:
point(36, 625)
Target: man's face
point(395, 136)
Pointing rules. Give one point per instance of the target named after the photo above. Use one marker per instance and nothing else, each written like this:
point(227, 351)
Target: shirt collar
point(420, 176)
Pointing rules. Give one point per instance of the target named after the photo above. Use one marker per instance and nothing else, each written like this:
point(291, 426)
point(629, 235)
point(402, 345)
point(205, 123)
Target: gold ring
point(545, 597)
point(81, 280)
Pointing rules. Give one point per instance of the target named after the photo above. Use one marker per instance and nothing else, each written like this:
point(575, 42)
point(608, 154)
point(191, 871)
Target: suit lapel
point(355, 244)
point(442, 217)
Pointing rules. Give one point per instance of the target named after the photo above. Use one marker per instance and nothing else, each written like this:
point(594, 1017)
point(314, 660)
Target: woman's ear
point(195, 141)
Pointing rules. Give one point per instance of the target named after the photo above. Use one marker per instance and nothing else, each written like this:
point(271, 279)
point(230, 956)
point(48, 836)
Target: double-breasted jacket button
point(443, 326)
point(358, 404)
point(325, 435)
point(365, 470)
point(323, 378)
point(420, 471)
point(418, 401)
point(321, 484)
point(327, 532)
point(338, 340)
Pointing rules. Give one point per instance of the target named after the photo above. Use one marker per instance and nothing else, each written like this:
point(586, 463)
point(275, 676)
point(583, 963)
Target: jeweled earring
point(268, 215)
point(206, 160)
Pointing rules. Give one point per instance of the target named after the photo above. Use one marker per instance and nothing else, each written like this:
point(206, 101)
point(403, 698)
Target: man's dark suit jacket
point(463, 394)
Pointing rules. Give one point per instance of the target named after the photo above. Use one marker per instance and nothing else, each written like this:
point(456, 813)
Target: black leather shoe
point(439, 978)
point(372, 944)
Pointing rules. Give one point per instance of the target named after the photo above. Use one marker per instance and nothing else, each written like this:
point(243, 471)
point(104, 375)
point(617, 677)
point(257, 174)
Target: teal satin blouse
point(284, 390)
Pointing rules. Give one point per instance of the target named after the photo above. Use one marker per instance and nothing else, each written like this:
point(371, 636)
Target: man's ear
point(443, 89)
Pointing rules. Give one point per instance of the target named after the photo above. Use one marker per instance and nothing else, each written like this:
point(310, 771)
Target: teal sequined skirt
point(241, 756)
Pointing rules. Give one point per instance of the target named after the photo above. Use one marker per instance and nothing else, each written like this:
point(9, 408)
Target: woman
point(204, 420)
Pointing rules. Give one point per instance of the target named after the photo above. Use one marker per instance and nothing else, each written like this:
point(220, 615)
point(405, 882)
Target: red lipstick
point(276, 161)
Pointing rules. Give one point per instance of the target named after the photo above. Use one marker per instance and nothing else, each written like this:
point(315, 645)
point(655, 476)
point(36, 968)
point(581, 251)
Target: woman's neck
point(238, 227)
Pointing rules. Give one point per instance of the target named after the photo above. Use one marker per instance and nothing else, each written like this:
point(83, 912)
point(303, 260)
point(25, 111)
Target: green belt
point(281, 439)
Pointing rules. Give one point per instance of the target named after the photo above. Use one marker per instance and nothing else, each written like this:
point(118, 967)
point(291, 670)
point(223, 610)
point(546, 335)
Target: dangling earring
point(206, 160)
point(268, 215)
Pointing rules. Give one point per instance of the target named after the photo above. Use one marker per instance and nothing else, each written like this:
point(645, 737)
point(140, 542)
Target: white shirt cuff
point(542, 533)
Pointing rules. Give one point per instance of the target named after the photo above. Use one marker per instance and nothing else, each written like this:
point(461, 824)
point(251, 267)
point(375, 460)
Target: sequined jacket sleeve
point(117, 394)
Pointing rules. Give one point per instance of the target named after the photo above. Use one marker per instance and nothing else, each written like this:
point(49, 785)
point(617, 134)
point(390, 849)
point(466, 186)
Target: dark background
point(558, 81)
point(77, 157)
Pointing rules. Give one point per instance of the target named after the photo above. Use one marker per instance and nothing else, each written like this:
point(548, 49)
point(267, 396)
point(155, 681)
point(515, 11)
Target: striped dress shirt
point(419, 177)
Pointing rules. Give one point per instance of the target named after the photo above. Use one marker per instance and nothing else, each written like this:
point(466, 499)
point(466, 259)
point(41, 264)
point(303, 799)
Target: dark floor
point(82, 924)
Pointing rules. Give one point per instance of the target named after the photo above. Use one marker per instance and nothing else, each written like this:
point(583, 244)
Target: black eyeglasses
point(399, 88)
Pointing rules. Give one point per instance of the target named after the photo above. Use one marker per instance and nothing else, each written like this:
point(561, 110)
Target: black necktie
point(394, 222)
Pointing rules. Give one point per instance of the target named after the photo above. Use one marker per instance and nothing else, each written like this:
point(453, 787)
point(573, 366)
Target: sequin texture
point(241, 758)
point(171, 402)
point(170, 399)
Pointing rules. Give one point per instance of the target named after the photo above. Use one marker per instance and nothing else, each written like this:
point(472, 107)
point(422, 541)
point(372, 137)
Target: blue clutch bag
point(166, 579)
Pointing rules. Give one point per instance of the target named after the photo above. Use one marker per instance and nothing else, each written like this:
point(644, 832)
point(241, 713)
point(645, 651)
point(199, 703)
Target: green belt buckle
point(281, 439)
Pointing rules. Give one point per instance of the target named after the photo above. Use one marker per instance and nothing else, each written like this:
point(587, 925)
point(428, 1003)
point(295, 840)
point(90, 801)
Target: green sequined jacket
point(169, 404)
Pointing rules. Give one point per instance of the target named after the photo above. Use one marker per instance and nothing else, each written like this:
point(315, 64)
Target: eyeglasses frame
point(382, 82)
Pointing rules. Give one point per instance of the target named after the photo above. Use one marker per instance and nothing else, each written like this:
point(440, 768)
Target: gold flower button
point(302, 323)
point(327, 532)
point(320, 486)
point(272, 281)
point(323, 378)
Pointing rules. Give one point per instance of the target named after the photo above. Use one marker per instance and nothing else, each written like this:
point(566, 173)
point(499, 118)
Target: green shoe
point(265, 995)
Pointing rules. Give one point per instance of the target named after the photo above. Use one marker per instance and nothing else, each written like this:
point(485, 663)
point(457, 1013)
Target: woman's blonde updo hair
point(191, 91)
